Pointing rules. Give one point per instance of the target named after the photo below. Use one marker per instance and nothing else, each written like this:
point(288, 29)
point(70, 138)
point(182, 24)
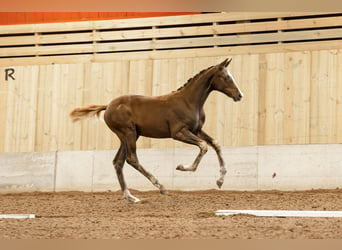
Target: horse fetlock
point(223, 171)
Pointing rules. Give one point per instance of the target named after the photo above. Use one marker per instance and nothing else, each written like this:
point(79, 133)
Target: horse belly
point(153, 125)
point(147, 114)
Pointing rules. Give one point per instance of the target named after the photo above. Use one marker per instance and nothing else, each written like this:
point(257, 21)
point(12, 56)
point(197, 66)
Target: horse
point(178, 115)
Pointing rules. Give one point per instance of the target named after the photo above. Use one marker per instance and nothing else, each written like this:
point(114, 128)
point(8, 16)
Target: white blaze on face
point(231, 76)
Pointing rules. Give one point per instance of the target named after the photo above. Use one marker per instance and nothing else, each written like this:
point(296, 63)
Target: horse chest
point(195, 122)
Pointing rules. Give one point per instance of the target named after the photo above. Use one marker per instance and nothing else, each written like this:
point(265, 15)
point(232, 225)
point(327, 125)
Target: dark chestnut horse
point(178, 115)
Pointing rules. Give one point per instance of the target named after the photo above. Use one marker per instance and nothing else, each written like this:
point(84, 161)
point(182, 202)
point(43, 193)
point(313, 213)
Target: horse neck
point(197, 91)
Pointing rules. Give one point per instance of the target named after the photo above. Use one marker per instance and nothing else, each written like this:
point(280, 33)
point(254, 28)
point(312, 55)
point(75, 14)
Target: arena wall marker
point(17, 216)
point(281, 213)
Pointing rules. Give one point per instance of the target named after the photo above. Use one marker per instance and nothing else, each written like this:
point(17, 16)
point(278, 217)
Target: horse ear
point(224, 63)
point(228, 62)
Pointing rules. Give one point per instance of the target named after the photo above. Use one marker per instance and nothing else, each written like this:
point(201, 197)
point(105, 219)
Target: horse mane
point(194, 78)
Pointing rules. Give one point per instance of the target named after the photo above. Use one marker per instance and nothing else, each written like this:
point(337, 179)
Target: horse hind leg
point(118, 163)
point(132, 159)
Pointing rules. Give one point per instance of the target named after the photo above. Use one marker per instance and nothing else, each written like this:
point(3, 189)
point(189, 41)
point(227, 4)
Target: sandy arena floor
point(179, 215)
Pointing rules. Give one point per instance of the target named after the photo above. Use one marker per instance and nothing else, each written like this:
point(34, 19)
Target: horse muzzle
point(238, 97)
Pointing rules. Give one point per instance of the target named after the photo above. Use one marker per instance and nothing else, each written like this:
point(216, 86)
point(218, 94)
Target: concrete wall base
point(284, 167)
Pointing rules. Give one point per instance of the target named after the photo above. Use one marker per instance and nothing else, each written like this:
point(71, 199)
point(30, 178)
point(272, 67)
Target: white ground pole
point(17, 216)
point(281, 213)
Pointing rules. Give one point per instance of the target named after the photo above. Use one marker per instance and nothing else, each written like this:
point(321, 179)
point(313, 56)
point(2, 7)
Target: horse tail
point(87, 111)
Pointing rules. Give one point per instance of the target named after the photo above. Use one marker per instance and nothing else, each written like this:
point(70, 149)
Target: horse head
point(224, 82)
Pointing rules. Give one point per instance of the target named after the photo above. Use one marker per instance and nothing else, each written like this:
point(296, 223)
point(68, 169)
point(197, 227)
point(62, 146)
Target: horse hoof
point(164, 191)
point(219, 183)
point(180, 168)
point(132, 198)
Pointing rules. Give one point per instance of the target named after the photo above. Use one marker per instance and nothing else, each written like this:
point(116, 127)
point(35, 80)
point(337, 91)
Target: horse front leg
point(213, 143)
point(187, 136)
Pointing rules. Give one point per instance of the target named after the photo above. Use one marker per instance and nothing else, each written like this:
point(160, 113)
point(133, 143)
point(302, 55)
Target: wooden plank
point(184, 53)
point(92, 92)
point(323, 97)
point(9, 121)
point(314, 97)
point(51, 27)
point(331, 98)
point(104, 82)
point(248, 82)
point(339, 98)
point(70, 81)
point(4, 86)
point(274, 99)
point(41, 106)
point(240, 124)
point(47, 50)
point(30, 95)
point(14, 115)
point(261, 100)
point(234, 108)
point(45, 103)
point(21, 135)
point(105, 137)
point(297, 96)
point(46, 39)
point(53, 114)
point(61, 102)
point(74, 93)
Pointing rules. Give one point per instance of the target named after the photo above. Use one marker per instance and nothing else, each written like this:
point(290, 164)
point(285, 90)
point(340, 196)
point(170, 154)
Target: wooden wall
point(290, 98)
point(292, 91)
